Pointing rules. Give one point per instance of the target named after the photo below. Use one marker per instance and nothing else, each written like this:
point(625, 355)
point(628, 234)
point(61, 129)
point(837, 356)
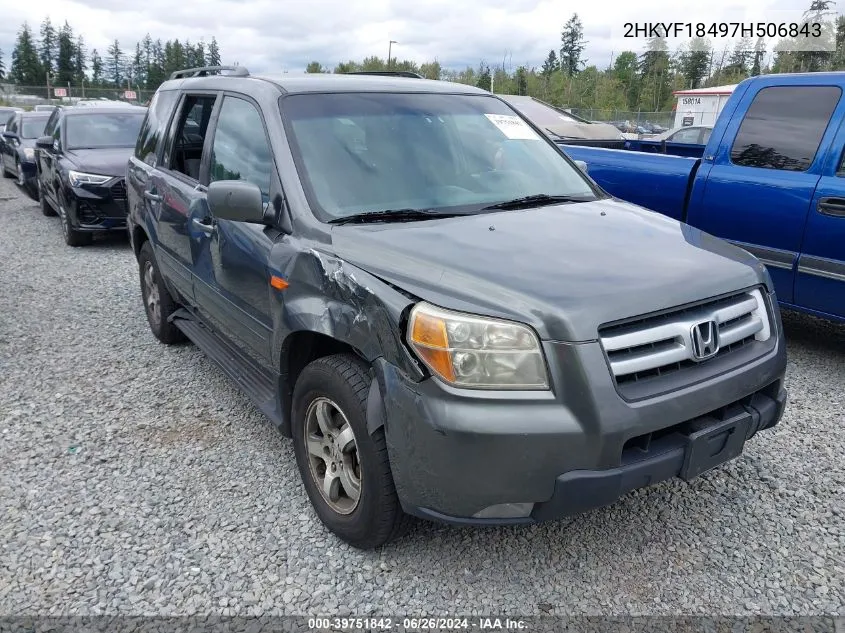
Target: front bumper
point(496, 457)
point(99, 208)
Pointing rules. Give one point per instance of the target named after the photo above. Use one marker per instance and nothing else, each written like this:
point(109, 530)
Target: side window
point(12, 125)
point(687, 135)
point(184, 153)
point(155, 124)
point(51, 123)
point(705, 135)
point(784, 126)
point(241, 150)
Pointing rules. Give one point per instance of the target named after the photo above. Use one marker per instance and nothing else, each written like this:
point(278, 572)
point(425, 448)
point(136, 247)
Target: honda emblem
point(705, 340)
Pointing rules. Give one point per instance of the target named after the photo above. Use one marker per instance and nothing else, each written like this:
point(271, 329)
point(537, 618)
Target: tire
point(21, 181)
point(338, 385)
point(46, 209)
point(151, 283)
point(6, 172)
point(71, 235)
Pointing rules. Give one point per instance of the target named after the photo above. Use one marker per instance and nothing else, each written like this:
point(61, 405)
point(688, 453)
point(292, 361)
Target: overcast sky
point(284, 35)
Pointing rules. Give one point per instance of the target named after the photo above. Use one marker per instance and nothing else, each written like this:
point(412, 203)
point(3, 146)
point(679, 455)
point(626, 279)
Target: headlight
point(77, 178)
point(477, 352)
point(29, 153)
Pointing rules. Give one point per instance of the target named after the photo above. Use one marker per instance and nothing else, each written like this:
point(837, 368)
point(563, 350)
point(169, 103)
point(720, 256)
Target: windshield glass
point(99, 130)
point(364, 152)
point(33, 127)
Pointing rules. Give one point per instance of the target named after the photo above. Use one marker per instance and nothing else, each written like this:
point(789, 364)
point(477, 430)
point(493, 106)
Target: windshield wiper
point(537, 200)
point(393, 215)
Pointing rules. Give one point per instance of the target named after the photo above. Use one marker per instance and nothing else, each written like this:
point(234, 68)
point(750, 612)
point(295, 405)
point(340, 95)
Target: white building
point(700, 106)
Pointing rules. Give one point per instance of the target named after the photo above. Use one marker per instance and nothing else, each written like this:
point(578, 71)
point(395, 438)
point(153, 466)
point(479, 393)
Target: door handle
point(152, 197)
point(832, 206)
point(203, 226)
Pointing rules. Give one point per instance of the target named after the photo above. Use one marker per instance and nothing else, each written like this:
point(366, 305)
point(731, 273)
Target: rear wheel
point(344, 468)
point(158, 304)
point(19, 172)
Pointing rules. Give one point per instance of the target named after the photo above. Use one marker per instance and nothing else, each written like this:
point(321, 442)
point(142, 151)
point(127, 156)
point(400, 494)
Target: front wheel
point(158, 303)
point(71, 235)
point(344, 468)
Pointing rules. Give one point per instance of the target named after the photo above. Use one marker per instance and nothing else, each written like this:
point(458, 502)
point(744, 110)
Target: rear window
point(101, 130)
point(784, 126)
point(155, 125)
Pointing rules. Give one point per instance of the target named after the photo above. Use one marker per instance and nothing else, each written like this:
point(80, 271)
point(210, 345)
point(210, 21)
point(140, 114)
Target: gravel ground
point(135, 479)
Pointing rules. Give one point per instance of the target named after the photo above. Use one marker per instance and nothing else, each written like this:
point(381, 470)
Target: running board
point(255, 381)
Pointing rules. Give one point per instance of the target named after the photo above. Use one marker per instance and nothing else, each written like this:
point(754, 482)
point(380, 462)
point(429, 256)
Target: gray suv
point(449, 318)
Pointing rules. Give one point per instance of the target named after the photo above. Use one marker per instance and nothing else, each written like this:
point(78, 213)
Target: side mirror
point(10, 135)
point(582, 166)
point(44, 142)
point(236, 200)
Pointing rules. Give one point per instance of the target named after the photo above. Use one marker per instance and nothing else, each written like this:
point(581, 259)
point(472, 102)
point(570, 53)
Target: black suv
point(81, 163)
point(449, 317)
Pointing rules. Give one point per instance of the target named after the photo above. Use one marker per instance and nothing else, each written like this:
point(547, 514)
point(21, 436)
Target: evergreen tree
point(572, 46)
point(740, 58)
point(115, 64)
point(759, 55)
point(65, 69)
point(25, 69)
point(655, 88)
point(625, 72)
point(213, 53)
point(521, 80)
point(139, 69)
point(199, 53)
point(694, 62)
point(314, 68)
point(96, 68)
point(48, 47)
point(484, 80)
point(550, 65)
point(80, 64)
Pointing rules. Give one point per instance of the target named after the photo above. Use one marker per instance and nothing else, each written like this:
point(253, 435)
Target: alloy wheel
point(333, 455)
point(152, 298)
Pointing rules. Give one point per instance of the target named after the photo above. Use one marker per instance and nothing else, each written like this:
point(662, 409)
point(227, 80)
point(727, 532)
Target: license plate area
point(711, 442)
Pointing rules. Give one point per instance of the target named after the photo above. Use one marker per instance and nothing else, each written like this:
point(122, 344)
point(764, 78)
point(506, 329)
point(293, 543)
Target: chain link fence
point(30, 96)
point(633, 121)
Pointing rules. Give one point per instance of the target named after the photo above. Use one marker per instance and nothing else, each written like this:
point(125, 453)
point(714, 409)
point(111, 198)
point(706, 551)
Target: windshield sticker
point(512, 126)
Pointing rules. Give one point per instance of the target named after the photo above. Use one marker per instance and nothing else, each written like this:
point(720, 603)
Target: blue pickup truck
point(771, 180)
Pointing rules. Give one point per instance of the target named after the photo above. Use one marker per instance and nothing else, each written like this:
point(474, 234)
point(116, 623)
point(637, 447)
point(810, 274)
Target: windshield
point(99, 130)
point(33, 127)
point(365, 152)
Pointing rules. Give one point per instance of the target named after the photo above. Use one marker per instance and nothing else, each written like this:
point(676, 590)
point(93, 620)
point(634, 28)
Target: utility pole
point(48, 84)
point(390, 52)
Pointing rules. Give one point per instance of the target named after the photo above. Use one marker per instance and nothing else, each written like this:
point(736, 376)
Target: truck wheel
point(46, 209)
point(158, 304)
point(345, 469)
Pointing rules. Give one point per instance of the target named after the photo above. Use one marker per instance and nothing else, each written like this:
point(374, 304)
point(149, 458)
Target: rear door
point(820, 280)
point(759, 189)
point(174, 188)
point(231, 259)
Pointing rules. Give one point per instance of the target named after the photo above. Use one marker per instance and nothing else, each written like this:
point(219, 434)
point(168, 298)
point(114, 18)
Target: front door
point(760, 186)
point(174, 187)
point(231, 260)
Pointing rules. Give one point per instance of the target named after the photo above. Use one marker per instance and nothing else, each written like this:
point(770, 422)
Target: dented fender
point(329, 296)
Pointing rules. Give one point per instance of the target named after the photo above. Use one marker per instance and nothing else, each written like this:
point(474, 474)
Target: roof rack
point(388, 73)
point(203, 71)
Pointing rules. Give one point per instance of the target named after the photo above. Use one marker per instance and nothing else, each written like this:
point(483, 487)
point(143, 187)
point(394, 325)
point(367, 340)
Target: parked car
point(81, 164)
point(562, 125)
point(6, 113)
point(448, 317)
point(17, 148)
point(770, 180)
point(693, 134)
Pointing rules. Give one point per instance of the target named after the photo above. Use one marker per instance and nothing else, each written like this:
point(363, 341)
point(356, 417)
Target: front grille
point(664, 344)
point(118, 190)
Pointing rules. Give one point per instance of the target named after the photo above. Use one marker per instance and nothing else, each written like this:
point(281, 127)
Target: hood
point(564, 269)
point(576, 129)
point(107, 161)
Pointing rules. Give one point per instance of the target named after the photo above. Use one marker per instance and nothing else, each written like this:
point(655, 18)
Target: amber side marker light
point(278, 283)
point(428, 336)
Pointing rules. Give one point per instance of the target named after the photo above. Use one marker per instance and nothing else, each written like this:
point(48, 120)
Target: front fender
point(328, 296)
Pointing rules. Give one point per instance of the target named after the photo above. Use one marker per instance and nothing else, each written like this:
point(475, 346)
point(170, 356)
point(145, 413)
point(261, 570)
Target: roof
point(324, 82)
point(104, 110)
point(714, 90)
point(35, 114)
